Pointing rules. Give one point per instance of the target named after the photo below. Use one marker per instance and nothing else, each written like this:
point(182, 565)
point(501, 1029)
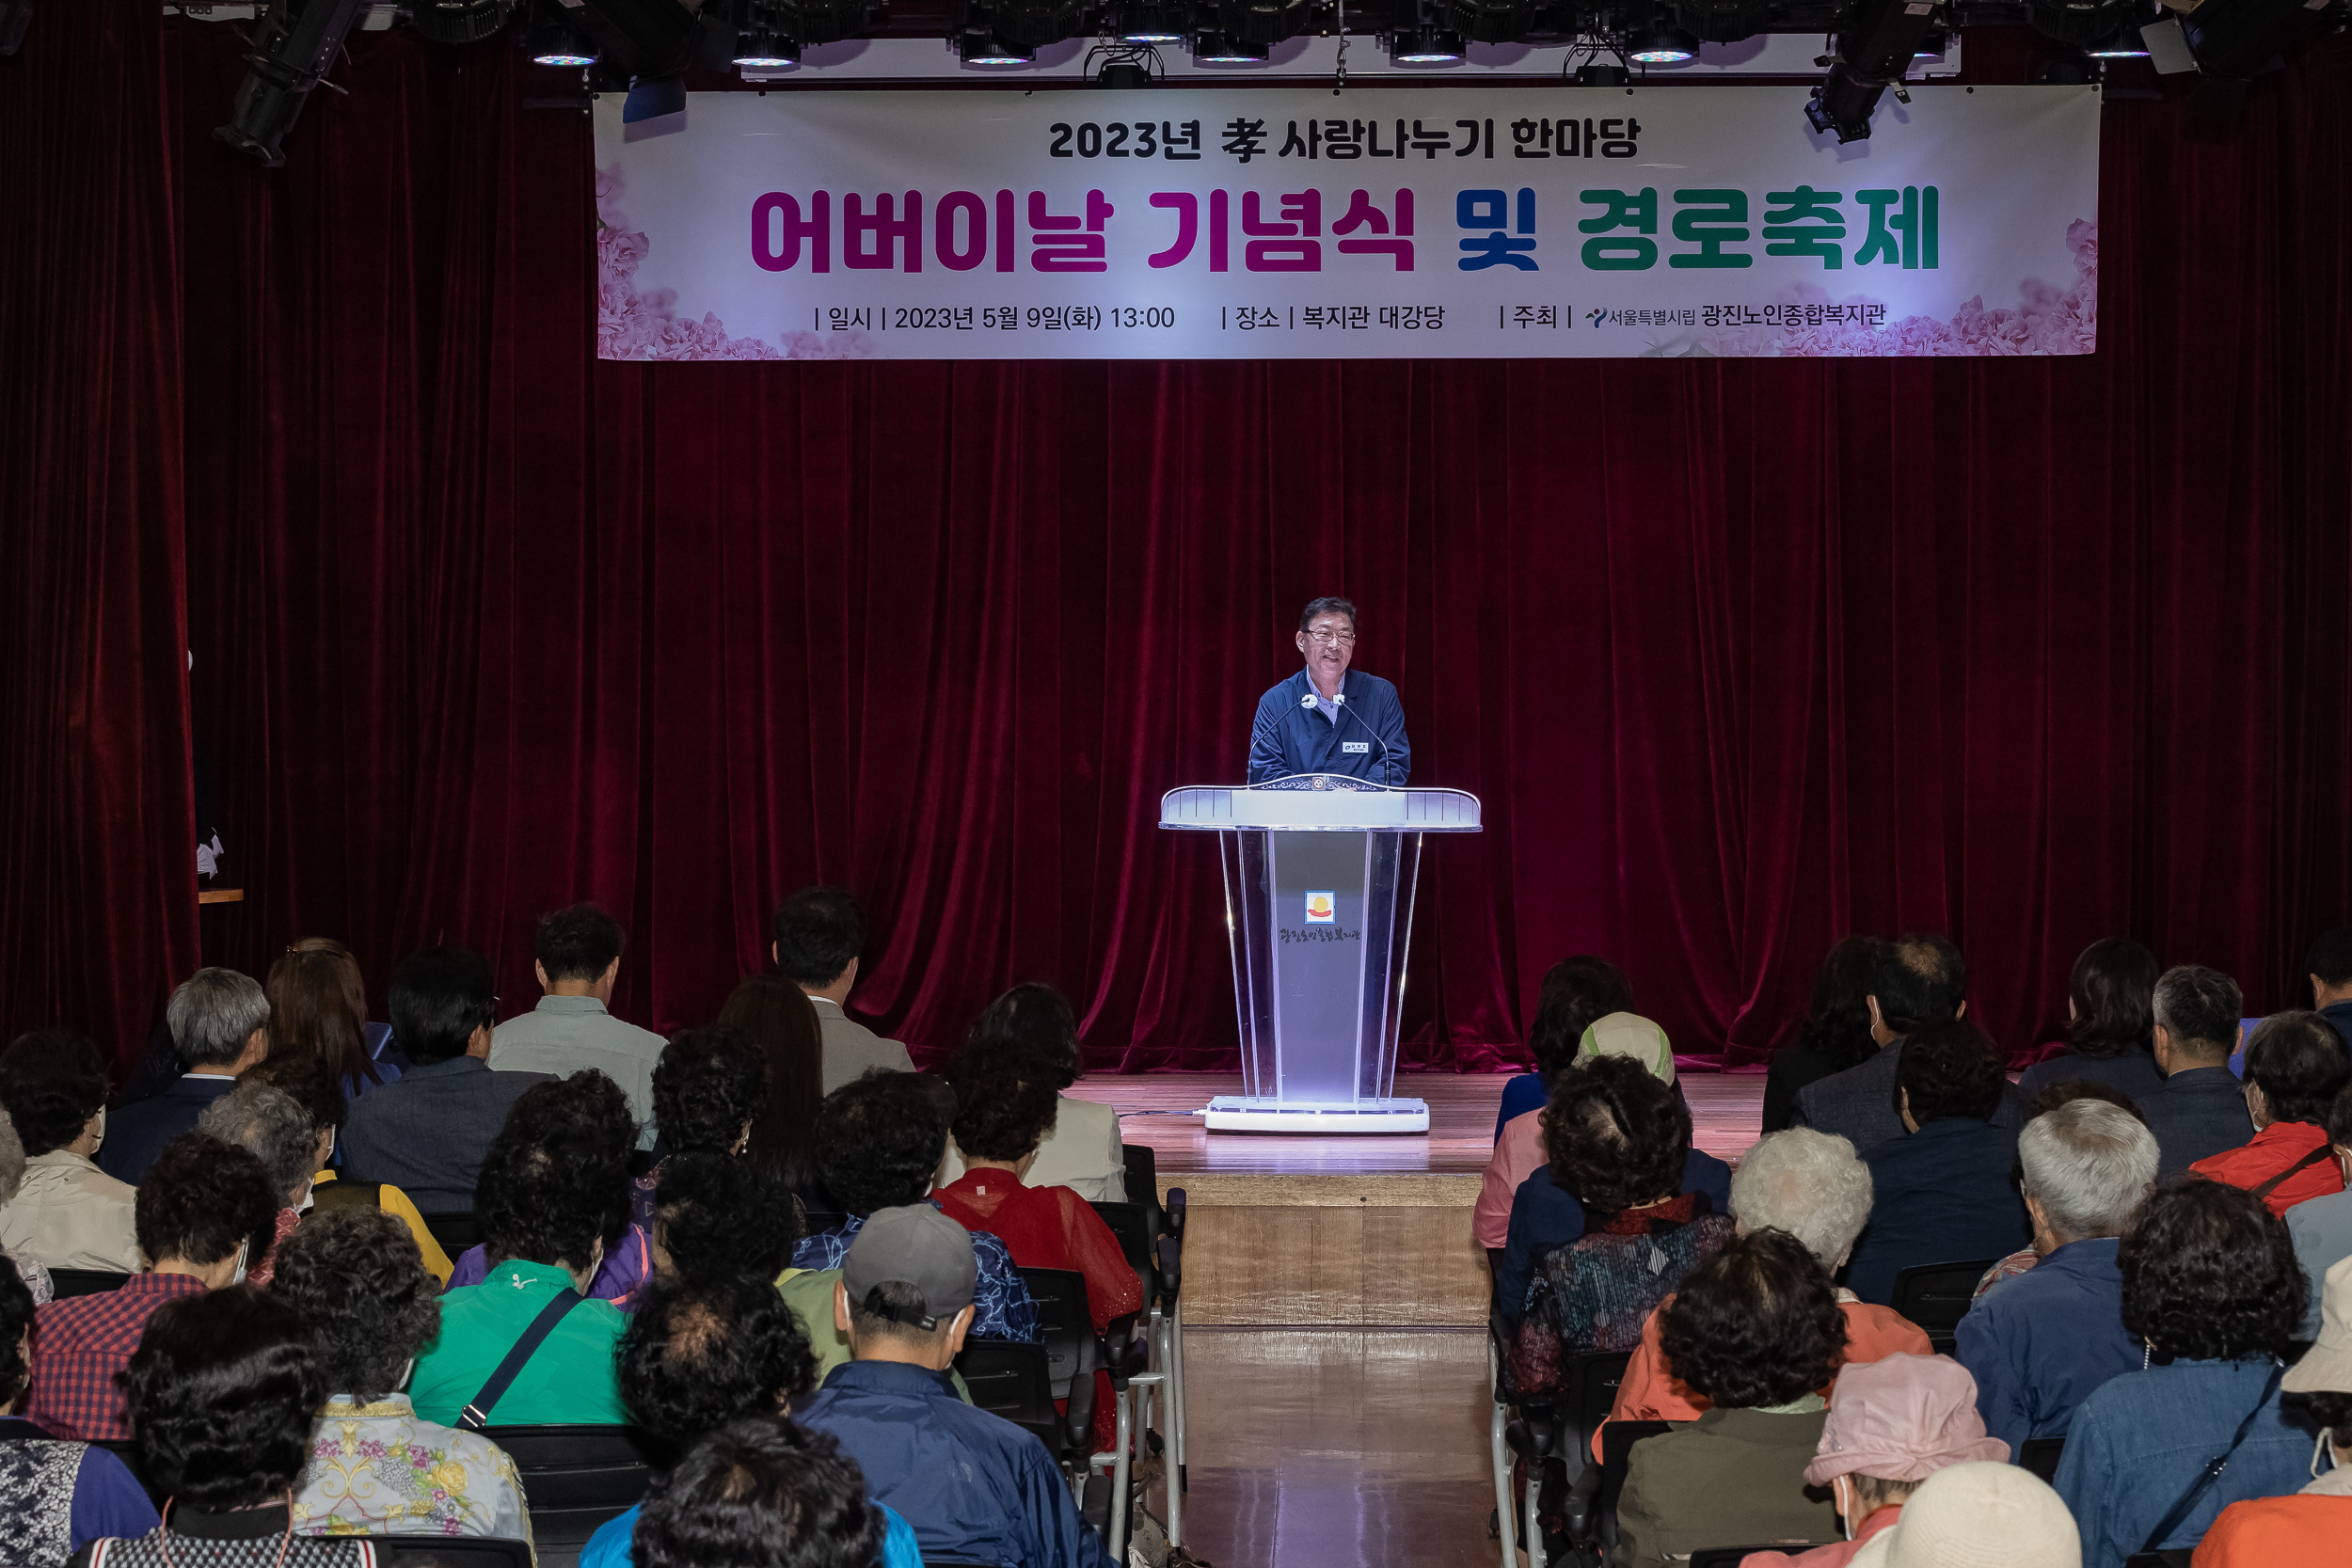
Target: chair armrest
point(1581, 1507)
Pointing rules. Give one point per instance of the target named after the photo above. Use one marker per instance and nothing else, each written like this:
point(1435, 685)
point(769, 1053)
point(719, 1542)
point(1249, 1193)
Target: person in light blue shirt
point(1330, 719)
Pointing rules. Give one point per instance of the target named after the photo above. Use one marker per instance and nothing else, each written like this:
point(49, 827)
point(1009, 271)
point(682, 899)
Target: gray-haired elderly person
point(272, 1126)
point(219, 1023)
point(1813, 1186)
point(2038, 1343)
point(28, 1268)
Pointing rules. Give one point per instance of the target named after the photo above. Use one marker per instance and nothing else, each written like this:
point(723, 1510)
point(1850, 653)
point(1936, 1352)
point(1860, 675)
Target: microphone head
point(1338, 697)
point(1308, 701)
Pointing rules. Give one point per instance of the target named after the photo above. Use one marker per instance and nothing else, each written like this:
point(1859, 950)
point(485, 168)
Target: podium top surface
point(1319, 803)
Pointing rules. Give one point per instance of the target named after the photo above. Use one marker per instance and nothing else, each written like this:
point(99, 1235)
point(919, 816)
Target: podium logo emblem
point(1323, 907)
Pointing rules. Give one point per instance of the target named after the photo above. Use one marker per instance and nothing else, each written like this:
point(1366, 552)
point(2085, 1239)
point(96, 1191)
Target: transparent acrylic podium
point(1319, 879)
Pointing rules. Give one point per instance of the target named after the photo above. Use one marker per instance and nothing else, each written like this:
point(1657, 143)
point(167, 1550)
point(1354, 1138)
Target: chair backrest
point(86, 1282)
point(1617, 1456)
point(1065, 1324)
point(2041, 1455)
point(1593, 1379)
point(1937, 1295)
point(340, 1193)
point(1011, 1378)
point(1143, 1180)
point(575, 1478)
point(1132, 1224)
point(455, 1232)
point(452, 1551)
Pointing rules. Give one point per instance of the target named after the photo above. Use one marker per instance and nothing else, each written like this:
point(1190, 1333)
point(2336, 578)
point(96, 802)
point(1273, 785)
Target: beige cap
point(1630, 1035)
point(2326, 1366)
point(1979, 1515)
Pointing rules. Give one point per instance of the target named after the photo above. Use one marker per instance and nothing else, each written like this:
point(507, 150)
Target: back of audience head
point(2295, 1068)
point(708, 1087)
point(273, 1127)
point(2088, 1167)
point(879, 1141)
point(1978, 1513)
point(581, 944)
point(318, 1005)
point(16, 1337)
point(2111, 999)
point(907, 1287)
point(717, 1219)
point(1755, 1325)
point(2065, 1091)
point(1837, 1026)
point(696, 1357)
point(1893, 1423)
point(1810, 1184)
point(218, 1018)
point(2329, 965)
point(819, 933)
point(2194, 1012)
point(221, 1395)
point(1576, 992)
point(442, 999)
point(554, 1185)
point(1921, 979)
point(52, 1085)
point(760, 1494)
point(1037, 1021)
point(1949, 1070)
point(315, 1087)
point(779, 1017)
point(2210, 1274)
point(361, 1284)
point(1006, 1103)
point(205, 1208)
point(1614, 1136)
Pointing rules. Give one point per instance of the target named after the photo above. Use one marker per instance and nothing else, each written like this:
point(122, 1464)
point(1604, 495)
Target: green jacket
point(1732, 1478)
point(570, 1381)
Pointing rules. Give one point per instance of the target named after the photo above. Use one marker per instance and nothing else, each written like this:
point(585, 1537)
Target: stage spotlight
point(1661, 43)
point(647, 39)
point(1932, 44)
point(548, 40)
point(1021, 26)
point(1494, 21)
point(1596, 73)
point(764, 47)
point(293, 46)
point(1151, 22)
point(2121, 44)
point(1876, 42)
point(1424, 42)
point(459, 21)
point(983, 48)
point(2061, 71)
point(2236, 40)
point(1216, 48)
point(1247, 21)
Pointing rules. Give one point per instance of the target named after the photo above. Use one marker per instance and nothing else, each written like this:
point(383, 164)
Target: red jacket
point(2275, 1148)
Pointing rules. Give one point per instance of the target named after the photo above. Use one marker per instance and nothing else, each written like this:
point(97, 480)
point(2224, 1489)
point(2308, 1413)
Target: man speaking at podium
point(1330, 719)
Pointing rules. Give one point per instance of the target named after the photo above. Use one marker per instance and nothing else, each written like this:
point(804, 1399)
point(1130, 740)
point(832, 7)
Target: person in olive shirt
point(554, 1192)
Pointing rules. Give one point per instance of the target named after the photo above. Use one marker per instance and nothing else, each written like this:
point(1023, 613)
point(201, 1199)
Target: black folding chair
point(2171, 1557)
point(452, 1551)
point(1937, 1295)
point(1616, 1457)
point(1013, 1379)
point(455, 1232)
point(575, 1478)
point(2041, 1455)
point(1073, 1352)
point(1131, 1223)
point(84, 1282)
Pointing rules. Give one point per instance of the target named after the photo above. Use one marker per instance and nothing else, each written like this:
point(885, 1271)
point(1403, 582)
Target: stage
point(1358, 1232)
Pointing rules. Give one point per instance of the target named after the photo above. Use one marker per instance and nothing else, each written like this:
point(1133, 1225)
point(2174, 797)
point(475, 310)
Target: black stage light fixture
point(1599, 73)
point(1245, 21)
point(646, 39)
point(2121, 44)
point(2236, 40)
point(294, 43)
point(1021, 26)
point(548, 40)
point(1424, 40)
point(2076, 21)
point(1877, 40)
point(1151, 22)
point(1215, 48)
point(2065, 69)
point(1661, 43)
point(1725, 21)
point(1492, 20)
point(459, 21)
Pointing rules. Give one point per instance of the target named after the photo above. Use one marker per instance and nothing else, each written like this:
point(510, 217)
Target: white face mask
point(2326, 1445)
point(102, 1128)
point(242, 1247)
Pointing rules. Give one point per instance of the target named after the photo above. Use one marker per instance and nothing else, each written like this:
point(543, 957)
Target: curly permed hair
point(50, 1083)
point(1614, 1136)
point(721, 1219)
point(707, 1087)
point(764, 1493)
point(357, 1279)
point(1577, 991)
point(556, 1178)
point(2327, 1407)
point(221, 1394)
point(1758, 1324)
point(2210, 1274)
point(1950, 1070)
point(201, 1199)
point(879, 1140)
point(696, 1357)
point(1035, 1017)
point(16, 1316)
point(1005, 1104)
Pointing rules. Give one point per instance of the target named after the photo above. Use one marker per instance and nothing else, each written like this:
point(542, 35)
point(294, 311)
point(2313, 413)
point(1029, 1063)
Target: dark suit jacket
point(426, 1132)
point(137, 1134)
point(1858, 1104)
point(1946, 1194)
point(2197, 1112)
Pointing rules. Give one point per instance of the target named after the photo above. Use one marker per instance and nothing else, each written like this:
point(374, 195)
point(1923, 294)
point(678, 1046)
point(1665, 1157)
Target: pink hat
point(1902, 1418)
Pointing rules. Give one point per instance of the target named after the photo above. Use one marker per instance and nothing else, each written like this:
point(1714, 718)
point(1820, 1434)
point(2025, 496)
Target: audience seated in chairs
point(2110, 1023)
point(1977, 1514)
point(1810, 1185)
point(698, 1358)
point(313, 1084)
point(427, 1134)
point(1617, 1137)
point(67, 1213)
point(272, 1126)
point(318, 1007)
point(1946, 1191)
point(204, 1210)
point(1005, 1104)
point(375, 1467)
point(819, 933)
point(709, 1087)
point(2211, 1286)
point(572, 1029)
point(1081, 1149)
point(2295, 1068)
point(591, 1115)
point(29, 1272)
point(717, 1218)
point(2314, 1524)
point(1837, 1034)
point(766, 1494)
point(879, 1141)
point(554, 1194)
point(974, 1486)
point(219, 1021)
point(2321, 1227)
point(2200, 1109)
point(222, 1395)
point(1577, 992)
point(782, 1021)
point(1754, 1330)
point(59, 1495)
point(2038, 1343)
point(2063, 1092)
point(1892, 1424)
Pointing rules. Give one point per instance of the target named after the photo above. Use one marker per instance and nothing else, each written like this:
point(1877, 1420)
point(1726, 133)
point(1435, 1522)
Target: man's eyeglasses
point(1334, 638)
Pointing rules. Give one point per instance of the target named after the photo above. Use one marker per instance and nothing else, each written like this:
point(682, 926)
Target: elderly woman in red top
point(2294, 1063)
point(1004, 1107)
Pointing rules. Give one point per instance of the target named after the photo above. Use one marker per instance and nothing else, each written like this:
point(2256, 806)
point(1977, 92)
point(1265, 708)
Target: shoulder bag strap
point(2316, 1155)
point(2212, 1472)
point(477, 1412)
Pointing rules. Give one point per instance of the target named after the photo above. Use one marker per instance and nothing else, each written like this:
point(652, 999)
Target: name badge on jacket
point(1356, 747)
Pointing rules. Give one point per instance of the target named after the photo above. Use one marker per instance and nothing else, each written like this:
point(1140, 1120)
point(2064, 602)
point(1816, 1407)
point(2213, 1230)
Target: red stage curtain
point(1740, 656)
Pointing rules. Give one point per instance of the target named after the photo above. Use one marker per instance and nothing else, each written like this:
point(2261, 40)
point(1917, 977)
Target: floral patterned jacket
point(376, 1469)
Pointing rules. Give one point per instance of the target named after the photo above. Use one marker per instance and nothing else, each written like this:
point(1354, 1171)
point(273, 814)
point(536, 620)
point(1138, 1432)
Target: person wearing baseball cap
point(974, 1487)
point(2312, 1525)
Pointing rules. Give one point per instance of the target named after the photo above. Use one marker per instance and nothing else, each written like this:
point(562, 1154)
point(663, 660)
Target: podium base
point(1234, 1113)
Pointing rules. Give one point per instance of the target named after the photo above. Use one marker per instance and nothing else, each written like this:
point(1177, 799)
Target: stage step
point(1360, 1250)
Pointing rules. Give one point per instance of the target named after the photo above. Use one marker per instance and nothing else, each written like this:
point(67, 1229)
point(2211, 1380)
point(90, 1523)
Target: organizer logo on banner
point(1323, 907)
point(1508, 222)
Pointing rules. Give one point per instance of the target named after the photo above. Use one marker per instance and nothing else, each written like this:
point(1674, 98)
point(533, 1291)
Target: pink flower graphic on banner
point(635, 325)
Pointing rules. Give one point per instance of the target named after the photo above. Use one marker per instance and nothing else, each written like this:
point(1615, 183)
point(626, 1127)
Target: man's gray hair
point(2199, 1008)
point(1810, 1184)
point(11, 1159)
point(272, 1126)
point(213, 1013)
point(2089, 1164)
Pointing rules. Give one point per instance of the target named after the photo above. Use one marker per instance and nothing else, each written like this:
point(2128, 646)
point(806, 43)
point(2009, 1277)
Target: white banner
point(1281, 223)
